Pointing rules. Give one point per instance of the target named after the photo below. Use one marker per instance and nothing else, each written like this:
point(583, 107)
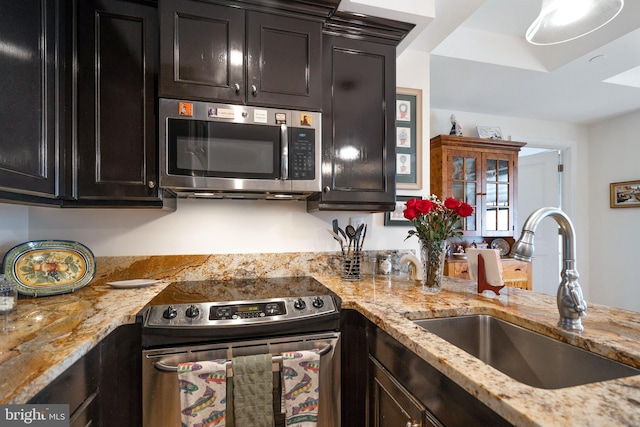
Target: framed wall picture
point(625, 194)
point(408, 138)
point(396, 217)
point(489, 132)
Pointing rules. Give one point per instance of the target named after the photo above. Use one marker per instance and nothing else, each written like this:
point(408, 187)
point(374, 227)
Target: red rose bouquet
point(434, 219)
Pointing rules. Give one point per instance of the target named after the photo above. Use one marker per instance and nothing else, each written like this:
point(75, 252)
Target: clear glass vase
point(432, 254)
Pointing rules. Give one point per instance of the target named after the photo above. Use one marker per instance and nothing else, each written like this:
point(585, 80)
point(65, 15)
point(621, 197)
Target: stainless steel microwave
point(236, 151)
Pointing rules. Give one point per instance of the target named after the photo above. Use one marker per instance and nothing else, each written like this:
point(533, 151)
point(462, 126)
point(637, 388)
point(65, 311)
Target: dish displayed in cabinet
point(501, 245)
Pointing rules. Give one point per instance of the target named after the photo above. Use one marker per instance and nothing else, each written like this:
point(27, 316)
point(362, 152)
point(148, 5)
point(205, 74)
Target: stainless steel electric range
point(204, 320)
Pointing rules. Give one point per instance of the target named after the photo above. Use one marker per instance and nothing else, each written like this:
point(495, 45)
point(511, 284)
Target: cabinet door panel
point(498, 195)
point(462, 181)
point(28, 91)
point(358, 131)
point(116, 134)
point(202, 50)
point(284, 60)
point(391, 404)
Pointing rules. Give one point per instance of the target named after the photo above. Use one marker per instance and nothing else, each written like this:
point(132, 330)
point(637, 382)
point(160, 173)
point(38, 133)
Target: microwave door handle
point(284, 154)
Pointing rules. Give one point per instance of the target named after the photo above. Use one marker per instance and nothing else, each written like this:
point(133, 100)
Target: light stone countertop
point(613, 333)
point(51, 333)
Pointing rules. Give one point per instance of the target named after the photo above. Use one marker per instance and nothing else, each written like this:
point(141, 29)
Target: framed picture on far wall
point(408, 138)
point(625, 194)
point(397, 217)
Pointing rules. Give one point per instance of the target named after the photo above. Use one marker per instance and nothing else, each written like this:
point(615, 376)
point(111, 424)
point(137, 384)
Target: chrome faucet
point(571, 304)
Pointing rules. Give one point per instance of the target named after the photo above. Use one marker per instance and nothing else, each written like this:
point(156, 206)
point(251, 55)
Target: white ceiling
point(480, 61)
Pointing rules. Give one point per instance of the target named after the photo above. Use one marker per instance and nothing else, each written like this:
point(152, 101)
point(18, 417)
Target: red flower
point(410, 213)
point(451, 203)
point(465, 210)
point(411, 203)
point(424, 206)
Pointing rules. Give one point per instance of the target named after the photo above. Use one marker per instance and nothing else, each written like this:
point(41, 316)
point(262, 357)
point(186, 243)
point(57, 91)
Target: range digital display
point(247, 308)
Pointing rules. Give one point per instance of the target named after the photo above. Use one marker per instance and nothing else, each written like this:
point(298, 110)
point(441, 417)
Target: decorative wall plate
point(49, 267)
point(501, 245)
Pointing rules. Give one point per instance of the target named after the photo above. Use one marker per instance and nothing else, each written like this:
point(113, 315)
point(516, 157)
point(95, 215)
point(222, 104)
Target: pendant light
point(563, 20)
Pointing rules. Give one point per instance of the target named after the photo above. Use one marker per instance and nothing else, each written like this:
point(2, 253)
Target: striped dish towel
point(300, 375)
point(203, 393)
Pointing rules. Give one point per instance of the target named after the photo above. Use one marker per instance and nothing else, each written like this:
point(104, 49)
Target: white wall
point(615, 233)
point(14, 226)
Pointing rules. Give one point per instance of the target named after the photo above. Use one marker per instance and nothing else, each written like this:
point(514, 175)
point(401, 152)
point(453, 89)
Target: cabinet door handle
point(254, 90)
point(152, 184)
point(236, 86)
point(326, 189)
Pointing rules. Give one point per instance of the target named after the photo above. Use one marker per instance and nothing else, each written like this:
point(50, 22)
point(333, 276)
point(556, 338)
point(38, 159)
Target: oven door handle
point(161, 366)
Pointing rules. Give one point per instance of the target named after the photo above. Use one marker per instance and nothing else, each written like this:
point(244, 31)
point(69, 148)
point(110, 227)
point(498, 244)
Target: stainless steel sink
point(524, 355)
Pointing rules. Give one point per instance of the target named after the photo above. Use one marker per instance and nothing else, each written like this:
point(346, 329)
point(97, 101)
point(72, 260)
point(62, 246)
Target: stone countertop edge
point(391, 302)
point(70, 325)
point(49, 334)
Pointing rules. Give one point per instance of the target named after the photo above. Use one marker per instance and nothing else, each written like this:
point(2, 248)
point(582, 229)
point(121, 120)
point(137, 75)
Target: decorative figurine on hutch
point(456, 129)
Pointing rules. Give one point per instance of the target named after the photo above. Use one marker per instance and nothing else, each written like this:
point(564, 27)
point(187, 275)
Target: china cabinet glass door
point(466, 185)
point(497, 195)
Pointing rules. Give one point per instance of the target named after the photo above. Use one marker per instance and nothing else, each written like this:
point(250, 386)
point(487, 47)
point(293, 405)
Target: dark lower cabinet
point(391, 405)
point(31, 94)
point(114, 149)
point(104, 387)
point(386, 384)
point(358, 115)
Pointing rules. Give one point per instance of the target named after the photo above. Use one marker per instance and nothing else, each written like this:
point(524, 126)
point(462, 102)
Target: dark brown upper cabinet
point(81, 127)
point(31, 95)
point(358, 115)
point(224, 53)
point(114, 147)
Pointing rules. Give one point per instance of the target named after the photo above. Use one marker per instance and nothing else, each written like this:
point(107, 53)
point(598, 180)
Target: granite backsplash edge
point(230, 266)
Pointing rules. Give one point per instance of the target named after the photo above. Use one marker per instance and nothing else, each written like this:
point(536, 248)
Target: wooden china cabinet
point(484, 174)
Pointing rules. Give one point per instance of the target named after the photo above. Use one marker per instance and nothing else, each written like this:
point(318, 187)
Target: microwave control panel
point(302, 154)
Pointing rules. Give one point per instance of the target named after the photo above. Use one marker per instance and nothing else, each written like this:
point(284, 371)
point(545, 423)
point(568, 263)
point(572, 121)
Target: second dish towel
point(253, 390)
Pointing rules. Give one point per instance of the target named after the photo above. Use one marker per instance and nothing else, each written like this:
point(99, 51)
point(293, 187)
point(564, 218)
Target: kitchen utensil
point(351, 233)
point(338, 239)
point(357, 236)
point(364, 234)
point(337, 229)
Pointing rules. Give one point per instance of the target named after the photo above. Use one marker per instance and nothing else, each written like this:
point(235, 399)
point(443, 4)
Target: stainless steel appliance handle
point(284, 154)
point(160, 365)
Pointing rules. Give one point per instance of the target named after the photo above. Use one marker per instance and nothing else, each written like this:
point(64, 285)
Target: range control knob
point(318, 302)
point(170, 313)
point(192, 311)
point(299, 304)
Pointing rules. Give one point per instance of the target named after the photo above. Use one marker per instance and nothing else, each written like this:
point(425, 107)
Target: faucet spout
point(571, 304)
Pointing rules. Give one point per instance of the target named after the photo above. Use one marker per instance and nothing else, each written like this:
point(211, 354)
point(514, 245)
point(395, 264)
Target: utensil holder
point(352, 261)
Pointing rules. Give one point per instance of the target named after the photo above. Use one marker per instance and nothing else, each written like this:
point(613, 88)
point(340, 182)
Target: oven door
point(161, 398)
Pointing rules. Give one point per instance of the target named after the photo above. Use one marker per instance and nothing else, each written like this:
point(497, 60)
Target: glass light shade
point(563, 20)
